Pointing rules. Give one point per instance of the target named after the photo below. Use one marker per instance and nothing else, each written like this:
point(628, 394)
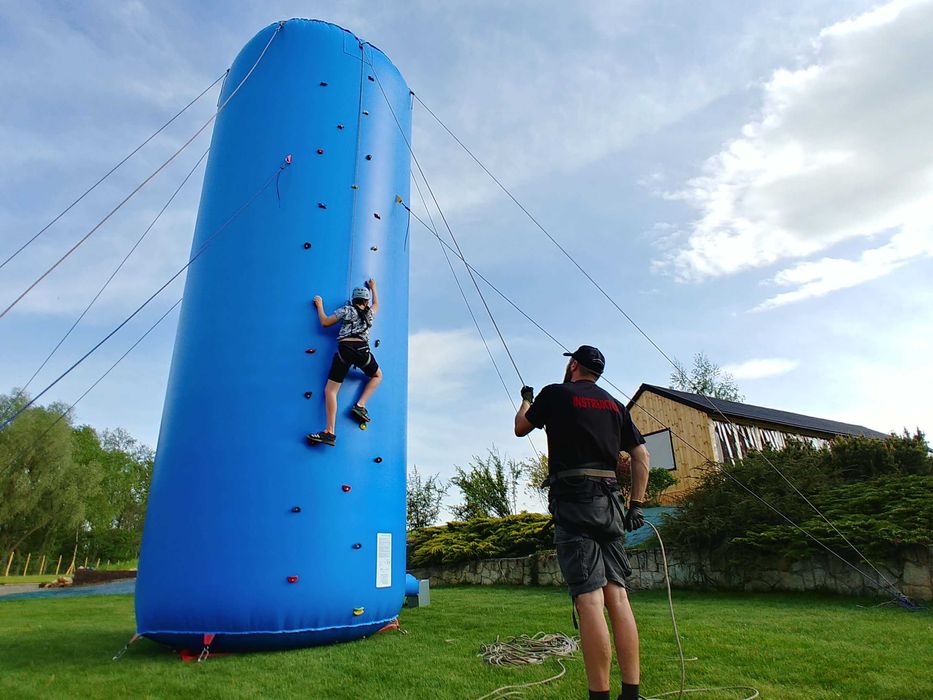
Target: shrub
point(480, 538)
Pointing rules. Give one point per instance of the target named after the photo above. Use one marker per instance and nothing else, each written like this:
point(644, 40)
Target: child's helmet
point(361, 294)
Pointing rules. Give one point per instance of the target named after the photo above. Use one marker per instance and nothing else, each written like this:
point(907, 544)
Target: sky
point(747, 180)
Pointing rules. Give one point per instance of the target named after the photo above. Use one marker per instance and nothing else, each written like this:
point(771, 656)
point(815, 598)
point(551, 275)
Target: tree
point(706, 378)
point(424, 498)
point(489, 487)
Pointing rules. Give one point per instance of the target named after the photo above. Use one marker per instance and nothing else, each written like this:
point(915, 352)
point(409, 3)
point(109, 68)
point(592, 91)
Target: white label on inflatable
point(383, 559)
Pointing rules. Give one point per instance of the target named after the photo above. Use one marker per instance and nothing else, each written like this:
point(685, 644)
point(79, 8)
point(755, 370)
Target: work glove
point(634, 518)
point(528, 394)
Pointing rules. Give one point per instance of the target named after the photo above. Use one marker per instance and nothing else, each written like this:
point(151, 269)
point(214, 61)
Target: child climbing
point(352, 351)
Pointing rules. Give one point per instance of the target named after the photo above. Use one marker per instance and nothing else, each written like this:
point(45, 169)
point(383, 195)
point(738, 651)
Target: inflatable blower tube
point(252, 535)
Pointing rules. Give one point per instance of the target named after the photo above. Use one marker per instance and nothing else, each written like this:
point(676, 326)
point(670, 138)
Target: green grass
point(17, 580)
point(791, 647)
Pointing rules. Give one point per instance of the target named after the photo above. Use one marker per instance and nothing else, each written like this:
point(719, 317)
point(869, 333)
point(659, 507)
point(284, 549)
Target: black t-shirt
point(585, 425)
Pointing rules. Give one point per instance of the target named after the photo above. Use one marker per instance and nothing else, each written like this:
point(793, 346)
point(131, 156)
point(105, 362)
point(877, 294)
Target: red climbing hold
point(320, 151)
point(346, 488)
point(311, 351)
point(291, 579)
point(288, 159)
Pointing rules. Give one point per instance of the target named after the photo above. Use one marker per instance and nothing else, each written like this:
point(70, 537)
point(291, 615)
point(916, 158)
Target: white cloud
point(842, 151)
point(440, 364)
point(761, 368)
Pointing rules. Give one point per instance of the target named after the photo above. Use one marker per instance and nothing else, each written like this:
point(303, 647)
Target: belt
point(594, 469)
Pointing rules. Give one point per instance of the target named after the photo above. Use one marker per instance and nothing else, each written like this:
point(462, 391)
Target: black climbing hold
point(340, 126)
point(354, 187)
point(365, 113)
point(310, 351)
point(323, 84)
point(376, 214)
point(371, 78)
point(307, 394)
point(377, 342)
point(320, 151)
point(357, 545)
point(369, 156)
point(378, 460)
point(321, 205)
point(296, 509)
point(374, 249)
point(307, 245)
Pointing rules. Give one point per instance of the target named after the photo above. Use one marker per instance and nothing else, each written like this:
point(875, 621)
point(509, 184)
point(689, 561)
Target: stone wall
point(912, 573)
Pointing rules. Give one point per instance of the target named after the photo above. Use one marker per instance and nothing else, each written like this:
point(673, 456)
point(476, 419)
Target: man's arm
point(371, 283)
point(322, 317)
point(641, 461)
point(523, 426)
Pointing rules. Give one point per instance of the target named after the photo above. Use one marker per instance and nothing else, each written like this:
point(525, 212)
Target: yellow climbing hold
point(362, 426)
point(398, 199)
point(357, 612)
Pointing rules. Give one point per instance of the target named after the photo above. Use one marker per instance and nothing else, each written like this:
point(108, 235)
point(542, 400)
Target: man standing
point(586, 430)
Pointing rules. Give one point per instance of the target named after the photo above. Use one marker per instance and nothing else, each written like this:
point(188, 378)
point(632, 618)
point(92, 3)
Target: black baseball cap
point(588, 356)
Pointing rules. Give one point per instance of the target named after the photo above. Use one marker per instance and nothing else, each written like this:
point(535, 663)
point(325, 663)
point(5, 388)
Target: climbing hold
point(362, 426)
point(307, 245)
point(346, 488)
point(374, 249)
point(369, 156)
point(357, 546)
point(340, 126)
point(365, 113)
point(354, 187)
point(296, 509)
point(310, 351)
point(371, 78)
point(398, 199)
point(320, 151)
point(378, 460)
point(377, 342)
point(291, 579)
point(321, 205)
point(357, 612)
point(376, 214)
point(288, 159)
point(323, 84)
point(307, 394)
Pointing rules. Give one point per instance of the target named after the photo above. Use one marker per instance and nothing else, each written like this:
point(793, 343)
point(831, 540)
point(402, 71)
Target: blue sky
point(750, 180)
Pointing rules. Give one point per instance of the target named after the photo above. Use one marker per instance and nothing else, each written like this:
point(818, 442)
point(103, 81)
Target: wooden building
point(685, 432)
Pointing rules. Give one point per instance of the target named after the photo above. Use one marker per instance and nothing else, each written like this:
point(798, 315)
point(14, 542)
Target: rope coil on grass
point(525, 650)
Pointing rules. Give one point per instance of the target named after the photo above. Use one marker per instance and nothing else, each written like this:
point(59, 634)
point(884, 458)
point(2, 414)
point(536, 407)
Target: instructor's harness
point(598, 475)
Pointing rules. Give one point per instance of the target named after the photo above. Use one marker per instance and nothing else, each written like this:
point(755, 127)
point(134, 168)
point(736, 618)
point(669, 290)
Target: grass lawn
point(791, 647)
point(18, 580)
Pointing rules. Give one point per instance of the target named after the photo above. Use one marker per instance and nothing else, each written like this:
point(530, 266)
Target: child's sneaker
point(322, 438)
point(361, 413)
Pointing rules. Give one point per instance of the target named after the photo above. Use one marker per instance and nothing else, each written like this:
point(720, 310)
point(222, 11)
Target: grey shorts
point(589, 537)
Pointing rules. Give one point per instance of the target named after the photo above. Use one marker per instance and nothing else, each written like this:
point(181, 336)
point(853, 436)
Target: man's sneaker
point(322, 438)
point(361, 413)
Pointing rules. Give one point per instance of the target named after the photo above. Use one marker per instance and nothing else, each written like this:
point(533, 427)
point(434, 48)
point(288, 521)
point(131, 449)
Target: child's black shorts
point(352, 353)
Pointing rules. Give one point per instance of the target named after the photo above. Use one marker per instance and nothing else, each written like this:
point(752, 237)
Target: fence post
point(42, 566)
point(26, 566)
point(58, 566)
point(85, 562)
point(9, 563)
point(97, 565)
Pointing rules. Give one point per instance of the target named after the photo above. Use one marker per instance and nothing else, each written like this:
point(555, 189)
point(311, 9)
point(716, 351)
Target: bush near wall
point(480, 538)
point(878, 493)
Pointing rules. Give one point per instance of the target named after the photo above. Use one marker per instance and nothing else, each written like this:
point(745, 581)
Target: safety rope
point(447, 226)
point(62, 414)
point(356, 167)
point(22, 391)
point(111, 171)
point(900, 597)
point(191, 260)
point(657, 347)
point(147, 180)
point(469, 307)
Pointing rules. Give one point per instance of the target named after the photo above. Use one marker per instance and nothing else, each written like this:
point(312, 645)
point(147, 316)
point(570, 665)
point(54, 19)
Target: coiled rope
point(524, 650)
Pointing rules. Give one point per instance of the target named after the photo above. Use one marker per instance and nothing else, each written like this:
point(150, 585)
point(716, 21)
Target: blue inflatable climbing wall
point(252, 535)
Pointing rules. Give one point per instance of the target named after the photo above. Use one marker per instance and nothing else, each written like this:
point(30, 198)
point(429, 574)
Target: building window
point(661, 446)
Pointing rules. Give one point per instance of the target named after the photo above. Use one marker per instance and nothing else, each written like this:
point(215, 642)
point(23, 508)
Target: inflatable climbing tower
point(254, 539)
